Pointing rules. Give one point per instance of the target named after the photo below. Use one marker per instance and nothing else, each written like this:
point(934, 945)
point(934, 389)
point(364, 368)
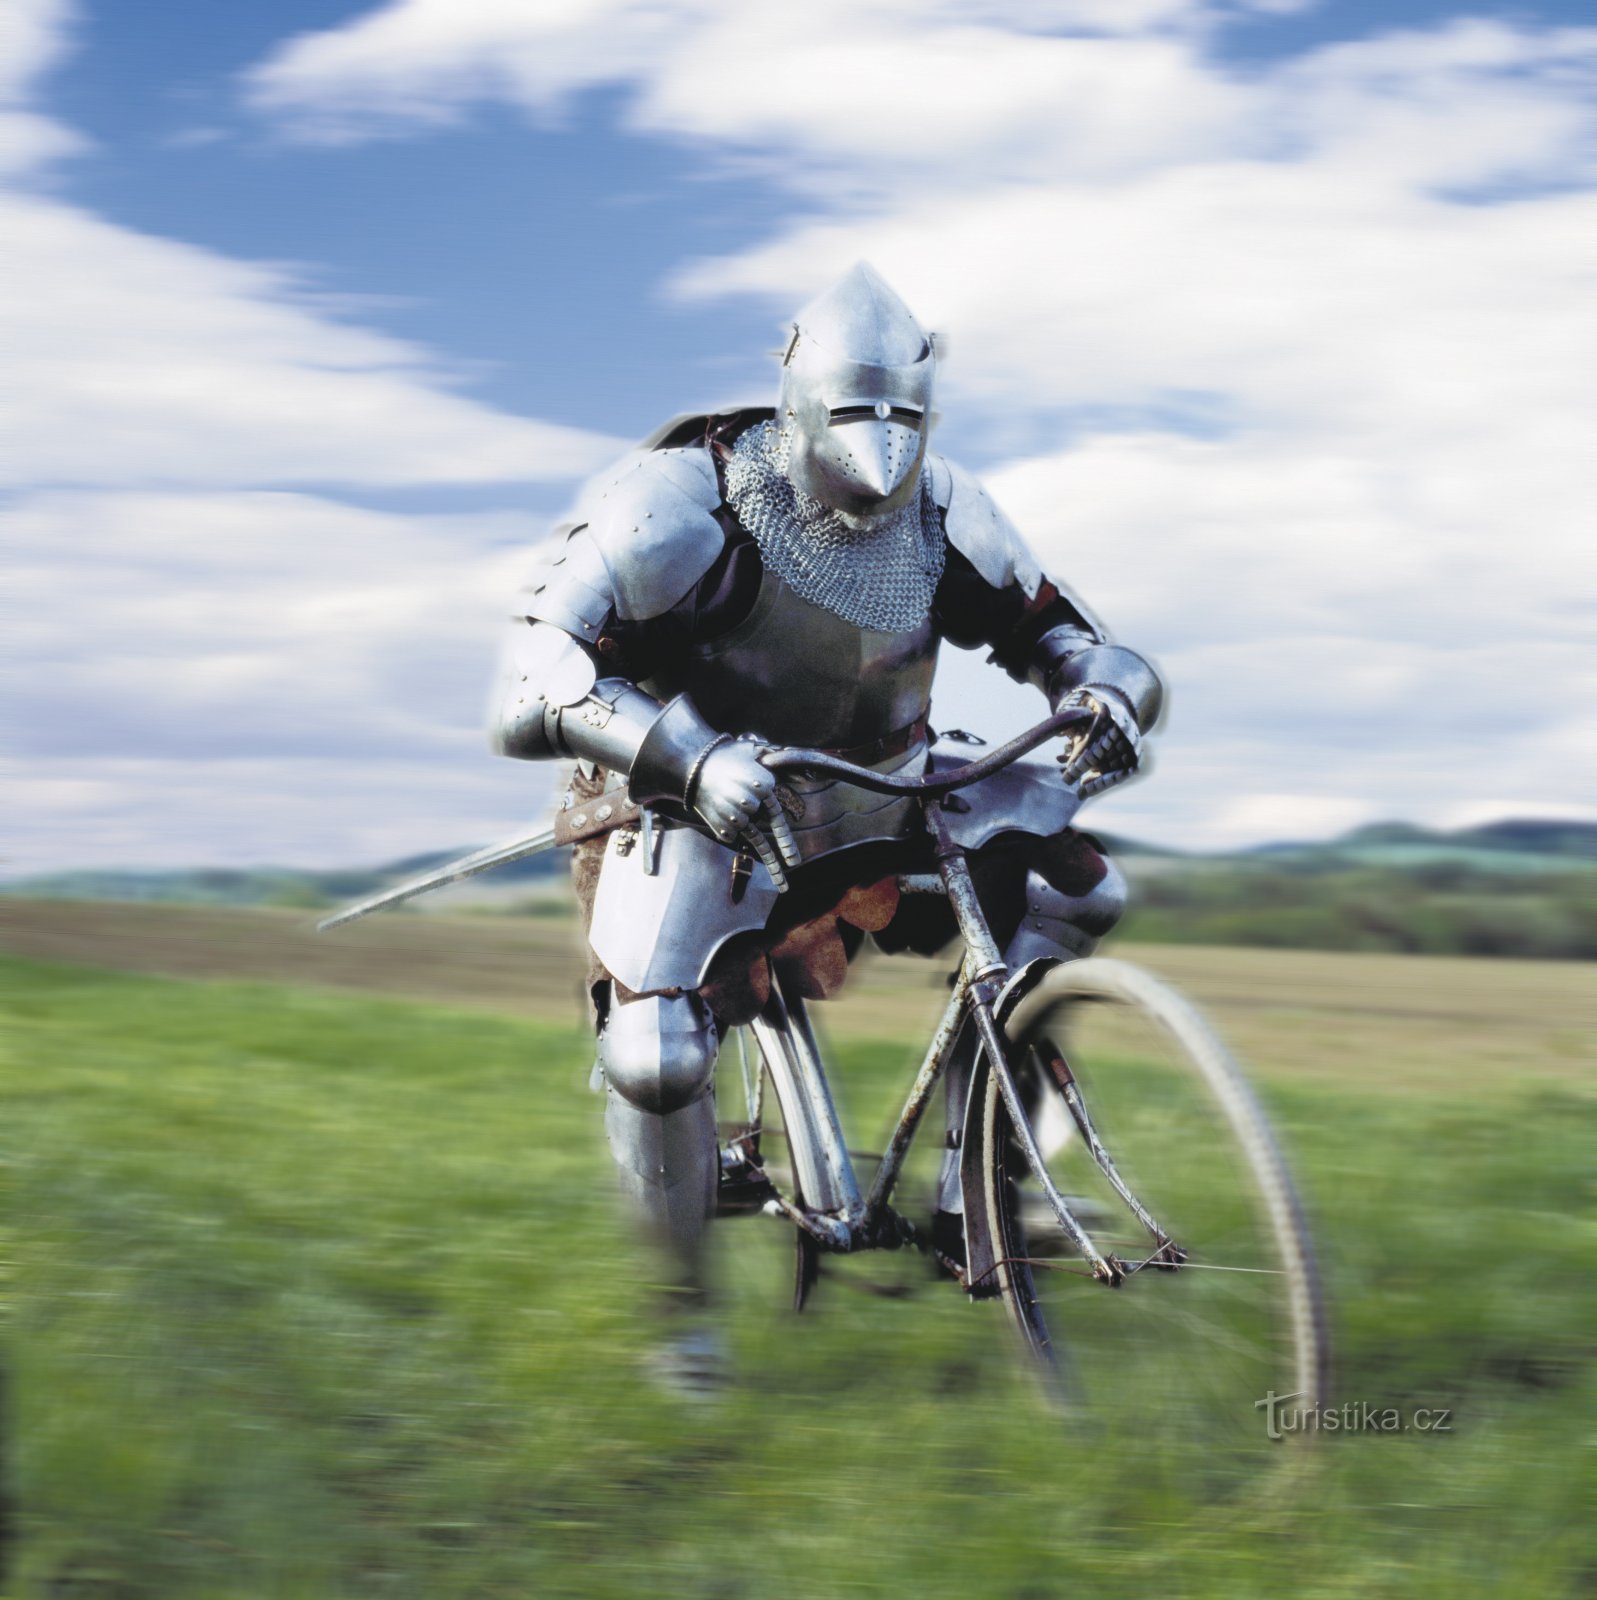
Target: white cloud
point(1368, 266)
point(192, 657)
point(1374, 575)
point(89, 810)
point(213, 672)
point(139, 360)
point(33, 36)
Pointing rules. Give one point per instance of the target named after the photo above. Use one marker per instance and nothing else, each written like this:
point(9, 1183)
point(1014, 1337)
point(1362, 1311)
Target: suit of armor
point(764, 577)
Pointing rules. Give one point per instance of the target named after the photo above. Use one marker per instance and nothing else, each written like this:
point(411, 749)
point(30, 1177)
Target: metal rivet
point(604, 812)
point(580, 820)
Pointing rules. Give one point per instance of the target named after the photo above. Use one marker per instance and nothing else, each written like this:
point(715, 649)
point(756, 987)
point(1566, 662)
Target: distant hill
point(1520, 887)
point(265, 886)
point(1512, 845)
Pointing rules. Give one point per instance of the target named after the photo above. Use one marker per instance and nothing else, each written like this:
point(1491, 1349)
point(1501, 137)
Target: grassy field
point(316, 1292)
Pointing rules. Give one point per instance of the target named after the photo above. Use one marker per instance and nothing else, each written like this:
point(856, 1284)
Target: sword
point(567, 828)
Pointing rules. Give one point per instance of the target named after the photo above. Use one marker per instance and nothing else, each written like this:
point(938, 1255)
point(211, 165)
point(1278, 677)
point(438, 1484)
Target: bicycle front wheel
point(1128, 1089)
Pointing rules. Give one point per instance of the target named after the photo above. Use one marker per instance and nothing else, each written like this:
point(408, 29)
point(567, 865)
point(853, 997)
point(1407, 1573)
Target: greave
point(668, 1170)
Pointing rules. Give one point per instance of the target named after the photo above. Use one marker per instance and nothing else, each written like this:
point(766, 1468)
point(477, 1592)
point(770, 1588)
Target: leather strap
point(589, 818)
point(891, 744)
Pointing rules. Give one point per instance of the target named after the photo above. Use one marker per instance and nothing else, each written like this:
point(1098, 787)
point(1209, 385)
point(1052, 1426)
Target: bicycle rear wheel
point(1178, 1352)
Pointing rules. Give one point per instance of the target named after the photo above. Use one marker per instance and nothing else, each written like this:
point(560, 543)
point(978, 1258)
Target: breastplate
point(797, 674)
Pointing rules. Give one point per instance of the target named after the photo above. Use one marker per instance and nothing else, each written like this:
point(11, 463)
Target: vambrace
point(552, 702)
point(1067, 660)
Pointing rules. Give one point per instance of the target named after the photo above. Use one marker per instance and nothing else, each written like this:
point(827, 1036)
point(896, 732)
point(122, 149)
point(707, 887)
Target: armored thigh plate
point(665, 905)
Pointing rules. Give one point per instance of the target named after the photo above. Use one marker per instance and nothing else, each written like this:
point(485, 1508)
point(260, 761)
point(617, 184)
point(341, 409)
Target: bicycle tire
point(1274, 1331)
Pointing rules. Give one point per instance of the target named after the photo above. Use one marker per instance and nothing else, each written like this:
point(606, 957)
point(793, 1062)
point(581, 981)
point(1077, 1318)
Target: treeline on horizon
point(1334, 897)
point(1439, 908)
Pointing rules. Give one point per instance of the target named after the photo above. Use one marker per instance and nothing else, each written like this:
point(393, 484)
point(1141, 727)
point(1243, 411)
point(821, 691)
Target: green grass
point(312, 1295)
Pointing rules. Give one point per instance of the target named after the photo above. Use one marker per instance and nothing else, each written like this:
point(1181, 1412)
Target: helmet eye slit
point(881, 411)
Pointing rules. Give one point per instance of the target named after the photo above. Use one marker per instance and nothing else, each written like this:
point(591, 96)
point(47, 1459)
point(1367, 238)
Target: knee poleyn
point(1060, 924)
point(659, 1053)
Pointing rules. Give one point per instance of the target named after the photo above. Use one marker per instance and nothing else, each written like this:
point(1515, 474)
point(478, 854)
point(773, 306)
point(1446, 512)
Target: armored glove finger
point(781, 831)
point(730, 787)
point(1108, 752)
point(1097, 782)
point(766, 851)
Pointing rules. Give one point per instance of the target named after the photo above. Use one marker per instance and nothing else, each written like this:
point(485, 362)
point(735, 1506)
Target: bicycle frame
point(834, 1212)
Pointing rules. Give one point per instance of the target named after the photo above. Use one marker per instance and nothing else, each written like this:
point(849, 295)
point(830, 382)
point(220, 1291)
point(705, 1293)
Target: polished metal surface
point(1057, 924)
point(607, 726)
point(668, 1168)
point(794, 673)
point(657, 1057)
point(661, 929)
point(658, 1053)
point(570, 586)
point(1052, 651)
point(677, 740)
point(1112, 666)
point(467, 866)
point(856, 394)
point(651, 519)
point(1025, 797)
point(541, 669)
point(979, 530)
point(822, 1170)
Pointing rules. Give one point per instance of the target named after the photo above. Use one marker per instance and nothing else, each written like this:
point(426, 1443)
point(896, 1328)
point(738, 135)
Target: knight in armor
point(760, 578)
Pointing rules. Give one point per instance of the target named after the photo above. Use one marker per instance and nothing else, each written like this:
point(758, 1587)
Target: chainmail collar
point(879, 574)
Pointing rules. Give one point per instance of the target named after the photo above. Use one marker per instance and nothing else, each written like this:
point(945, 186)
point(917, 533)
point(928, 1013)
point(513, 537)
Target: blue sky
point(1273, 324)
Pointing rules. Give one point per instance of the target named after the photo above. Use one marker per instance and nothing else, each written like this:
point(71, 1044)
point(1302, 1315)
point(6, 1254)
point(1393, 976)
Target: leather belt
point(891, 744)
point(587, 819)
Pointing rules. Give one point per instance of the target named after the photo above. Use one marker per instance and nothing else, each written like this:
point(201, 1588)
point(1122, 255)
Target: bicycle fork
point(983, 977)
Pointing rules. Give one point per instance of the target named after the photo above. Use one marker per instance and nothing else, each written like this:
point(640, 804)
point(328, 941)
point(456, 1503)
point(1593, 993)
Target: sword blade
point(494, 855)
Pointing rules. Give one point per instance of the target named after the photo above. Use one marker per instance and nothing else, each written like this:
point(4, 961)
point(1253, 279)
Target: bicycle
point(1050, 1140)
point(1040, 1148)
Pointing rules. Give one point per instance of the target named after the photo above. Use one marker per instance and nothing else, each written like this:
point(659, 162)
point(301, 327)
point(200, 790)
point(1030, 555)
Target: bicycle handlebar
point(818, 763)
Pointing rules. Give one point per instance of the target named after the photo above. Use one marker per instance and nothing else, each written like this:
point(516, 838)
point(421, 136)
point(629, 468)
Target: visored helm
point(856, 395)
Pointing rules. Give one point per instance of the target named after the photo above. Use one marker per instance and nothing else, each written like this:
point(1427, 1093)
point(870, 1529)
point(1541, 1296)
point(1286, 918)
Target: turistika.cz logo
point(1282, 1417)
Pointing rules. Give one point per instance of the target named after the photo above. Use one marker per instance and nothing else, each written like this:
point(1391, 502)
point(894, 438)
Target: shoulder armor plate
point(980, 531)
point(651, 520)
point(570, 587)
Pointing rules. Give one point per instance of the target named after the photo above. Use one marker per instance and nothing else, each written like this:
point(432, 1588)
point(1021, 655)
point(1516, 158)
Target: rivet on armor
point(580, 820)
point(604, 813)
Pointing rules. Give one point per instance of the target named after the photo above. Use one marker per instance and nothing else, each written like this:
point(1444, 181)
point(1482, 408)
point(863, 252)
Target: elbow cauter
point(552, 703)
point(1113, 667)
point(543, 671)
